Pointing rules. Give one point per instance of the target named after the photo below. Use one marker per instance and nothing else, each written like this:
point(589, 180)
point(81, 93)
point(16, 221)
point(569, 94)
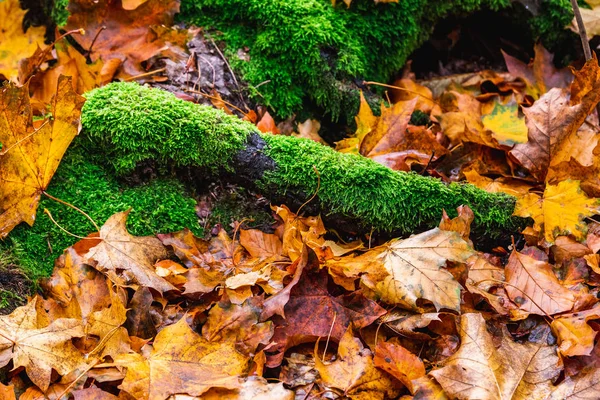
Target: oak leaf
point(354, 372)
point(405, 271)
point(29, 157)
point(181, 361)
point(31, 341)
point(532, 285)
point(560, 211)
point(15, 43)
point(513, 371)
point(128, 259)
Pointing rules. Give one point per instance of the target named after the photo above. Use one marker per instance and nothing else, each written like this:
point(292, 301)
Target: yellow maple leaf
point(29, 157)
point(16, 45)
point(560, 210)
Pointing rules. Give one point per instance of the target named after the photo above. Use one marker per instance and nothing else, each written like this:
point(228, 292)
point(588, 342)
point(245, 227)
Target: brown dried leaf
point(532, 285)
point(32, 342)
point(354, 372)
point(127, 259)
point(513, 371)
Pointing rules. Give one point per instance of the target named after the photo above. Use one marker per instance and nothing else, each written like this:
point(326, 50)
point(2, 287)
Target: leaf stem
point(74, 208)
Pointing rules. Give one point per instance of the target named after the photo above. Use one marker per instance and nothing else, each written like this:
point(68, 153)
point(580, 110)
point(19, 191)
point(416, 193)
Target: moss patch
point(308, 53)
point(162, 205)
point(133, 123)
point(379, 197)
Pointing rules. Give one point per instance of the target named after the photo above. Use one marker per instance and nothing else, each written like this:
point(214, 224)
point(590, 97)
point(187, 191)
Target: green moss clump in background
point(133, 123)
point(307, 53)
point(59, 12)
point(381, 198)
point(162, 205)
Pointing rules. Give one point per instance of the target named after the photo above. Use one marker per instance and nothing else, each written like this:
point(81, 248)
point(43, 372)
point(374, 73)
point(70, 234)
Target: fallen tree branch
point(132, 123)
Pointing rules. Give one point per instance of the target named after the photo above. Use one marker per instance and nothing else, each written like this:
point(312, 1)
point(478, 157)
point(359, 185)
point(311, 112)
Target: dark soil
point(14, 288)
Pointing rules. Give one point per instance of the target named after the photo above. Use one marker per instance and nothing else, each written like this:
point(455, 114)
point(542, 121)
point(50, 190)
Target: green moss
point(159, 206)
point(381, 198)
point(133, 123)
point(304, 52)
point(59, 13)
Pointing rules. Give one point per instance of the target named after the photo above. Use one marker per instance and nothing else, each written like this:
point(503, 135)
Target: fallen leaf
point(575, 335)
point(267, 124)
point(128, 259)
point(32, 342)
point(505, 123)
point(513, 371)
point(540, 74)
point(15, 43)
point(311, 312)
point(29, 157)
point(399, 362)
point(582, 386)
point(309, 129)
point(560, 211)
point(532, 285)
point(389, 132)
point(405, 271)
point(254, 388)
point(117, 33)
point(181, 361)
point(354, 372)
point(408, 90)
point(238, 324)
point(260, 244)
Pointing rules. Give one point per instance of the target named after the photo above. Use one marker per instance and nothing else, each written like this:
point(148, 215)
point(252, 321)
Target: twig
point(582, 33)
point(216, 98)
point(89, 52)
point(231, 72)
point(585, 43)
point(74, 208)
point(156, 71)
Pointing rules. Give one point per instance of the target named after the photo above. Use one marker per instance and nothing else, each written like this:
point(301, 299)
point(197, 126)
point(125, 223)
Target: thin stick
point(103, 27)
point(399, 88)
point(582, 33)
point(316, 190)
point(329, 335)
point(230, 71)
point(156, 71)
point(74, 208)
point(585, 43)
point(216, 98)
point(47, 212)
point(3, 152)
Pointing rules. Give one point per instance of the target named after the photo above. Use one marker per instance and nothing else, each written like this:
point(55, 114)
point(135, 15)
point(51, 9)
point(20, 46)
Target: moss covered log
point(161, 205)
point(310, 54)
point(133, 123)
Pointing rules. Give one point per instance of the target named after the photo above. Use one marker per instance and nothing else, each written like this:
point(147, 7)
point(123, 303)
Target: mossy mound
point(308, 53)
point(162, 205)
point(350, 185)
